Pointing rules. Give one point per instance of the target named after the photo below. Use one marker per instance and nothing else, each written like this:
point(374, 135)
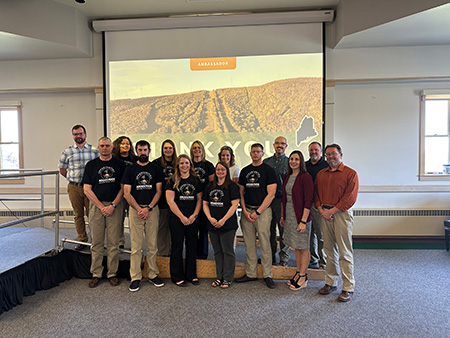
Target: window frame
point(17, 105)
point(426, 95)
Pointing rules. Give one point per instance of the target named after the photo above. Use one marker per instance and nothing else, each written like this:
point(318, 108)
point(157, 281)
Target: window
point(10, 139)
point(435, 135)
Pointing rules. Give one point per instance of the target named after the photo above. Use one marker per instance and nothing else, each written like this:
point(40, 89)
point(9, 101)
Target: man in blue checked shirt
point(71, 165)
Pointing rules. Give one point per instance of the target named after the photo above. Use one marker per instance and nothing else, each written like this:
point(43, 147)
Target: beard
point(79, 140)
point(143, 158)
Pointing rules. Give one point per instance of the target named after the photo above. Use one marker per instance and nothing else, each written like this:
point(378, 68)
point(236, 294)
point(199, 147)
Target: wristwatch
point(149, 208)
point(195, 215)
point(113, 205)
point(257, 212)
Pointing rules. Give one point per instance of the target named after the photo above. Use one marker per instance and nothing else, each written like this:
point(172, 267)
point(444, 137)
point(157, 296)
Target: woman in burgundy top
point(297, 199)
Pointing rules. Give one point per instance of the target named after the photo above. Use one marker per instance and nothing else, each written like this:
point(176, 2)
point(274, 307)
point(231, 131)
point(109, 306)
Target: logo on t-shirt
point(107, 175)
point(215, 198)
point(252, 179)
point(168, 172)
point(143, 180)
point(201, 173)
point(187, 192)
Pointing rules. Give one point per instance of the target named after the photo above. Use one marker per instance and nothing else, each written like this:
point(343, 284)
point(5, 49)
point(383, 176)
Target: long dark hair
point(176, 177)
point(116, 147)
point(174, 156)
point(302, 162)
point(215, 182)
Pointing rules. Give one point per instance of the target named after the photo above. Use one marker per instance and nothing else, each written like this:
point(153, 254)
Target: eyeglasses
point(221, 169)
point(331, 154)
point(78, 134)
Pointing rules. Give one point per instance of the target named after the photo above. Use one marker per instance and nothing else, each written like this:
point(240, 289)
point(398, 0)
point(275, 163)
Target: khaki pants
point(337, 236)
point(100, 224)
point(249, 230)
point(138, 229)
point(80, 203)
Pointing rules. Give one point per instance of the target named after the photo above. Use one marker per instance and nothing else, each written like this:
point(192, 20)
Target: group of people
point(177, 202)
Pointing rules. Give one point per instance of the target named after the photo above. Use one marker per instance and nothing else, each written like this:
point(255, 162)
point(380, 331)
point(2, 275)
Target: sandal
point(195, 281)
point(216, 283)
point(292, 280)
point(294, 286)
point(226, 284)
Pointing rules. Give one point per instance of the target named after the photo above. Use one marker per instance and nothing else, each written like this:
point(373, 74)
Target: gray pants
point(318, 255)
point(223, 245)
point(274, 223)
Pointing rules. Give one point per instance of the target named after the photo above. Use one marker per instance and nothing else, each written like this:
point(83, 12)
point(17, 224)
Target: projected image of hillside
point(255, 99)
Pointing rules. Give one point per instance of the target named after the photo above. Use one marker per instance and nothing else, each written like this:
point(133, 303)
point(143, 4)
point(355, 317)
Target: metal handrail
point(41, 173)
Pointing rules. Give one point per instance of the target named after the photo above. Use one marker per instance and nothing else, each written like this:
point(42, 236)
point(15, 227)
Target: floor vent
point(401, 213)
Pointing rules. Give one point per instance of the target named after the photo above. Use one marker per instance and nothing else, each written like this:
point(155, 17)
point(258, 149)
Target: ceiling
point(109, 9)
point(429, 27)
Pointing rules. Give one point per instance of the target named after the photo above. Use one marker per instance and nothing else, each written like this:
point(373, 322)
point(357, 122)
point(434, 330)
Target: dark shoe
point(181, 284)
point(269, 282)
point(80, 247)
point(94, 282)
point(295, 286)
point(114, 281)
point(283, 263)
point(313, 266)
point(195, 281)
point(156, 281)
point(121, 246)
point(345, 296)
point(244, 279)
point(327, 289)
point(134, 286)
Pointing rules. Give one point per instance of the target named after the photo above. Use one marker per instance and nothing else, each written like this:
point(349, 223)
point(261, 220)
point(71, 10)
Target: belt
point(251, 207)
point(326, 206)
point(77, 184)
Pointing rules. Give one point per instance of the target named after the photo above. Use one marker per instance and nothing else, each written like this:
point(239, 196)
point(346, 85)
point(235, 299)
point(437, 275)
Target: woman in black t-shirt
point(123, 150)
point(205, 171)
point(184, 194)
point(220, 201)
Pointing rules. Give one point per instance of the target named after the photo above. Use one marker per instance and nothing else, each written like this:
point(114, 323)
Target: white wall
point(374, 107)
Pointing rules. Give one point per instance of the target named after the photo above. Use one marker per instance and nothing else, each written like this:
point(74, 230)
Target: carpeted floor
point(398, 294)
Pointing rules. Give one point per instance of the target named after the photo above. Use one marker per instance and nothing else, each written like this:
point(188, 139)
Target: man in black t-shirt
point(102, 187)
point(142, 188)
point(315, 164)
point(257, 185)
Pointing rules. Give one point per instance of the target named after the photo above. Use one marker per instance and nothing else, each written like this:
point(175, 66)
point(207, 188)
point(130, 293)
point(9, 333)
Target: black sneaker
point(156, 281)
point(269, 282)
point(134, 286)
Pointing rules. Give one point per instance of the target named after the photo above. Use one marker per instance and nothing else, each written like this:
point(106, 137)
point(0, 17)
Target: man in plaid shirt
point(71, 165)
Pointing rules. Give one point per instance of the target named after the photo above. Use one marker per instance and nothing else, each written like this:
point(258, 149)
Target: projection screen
point(221, 85)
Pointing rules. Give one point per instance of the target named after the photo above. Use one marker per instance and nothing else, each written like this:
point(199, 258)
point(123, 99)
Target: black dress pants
point(188, 235)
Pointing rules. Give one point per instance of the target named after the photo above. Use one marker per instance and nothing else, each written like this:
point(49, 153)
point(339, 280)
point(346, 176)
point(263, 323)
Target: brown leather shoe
point(326, 289)
point(94, 282)
point(345, 296)
point(114, 281)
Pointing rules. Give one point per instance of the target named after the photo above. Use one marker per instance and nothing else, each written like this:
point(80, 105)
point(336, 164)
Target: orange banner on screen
point(213, 63)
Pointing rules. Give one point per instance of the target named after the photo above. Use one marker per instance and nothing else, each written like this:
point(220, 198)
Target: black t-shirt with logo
point(168, 171)
point(129, 160)
point(219, 200)
point(143, 181)
point(204, 169)
point(186, 194)
point(255, 181)
point(104, 177)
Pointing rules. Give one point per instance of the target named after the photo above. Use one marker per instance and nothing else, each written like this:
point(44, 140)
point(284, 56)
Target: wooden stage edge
point(207, 269)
